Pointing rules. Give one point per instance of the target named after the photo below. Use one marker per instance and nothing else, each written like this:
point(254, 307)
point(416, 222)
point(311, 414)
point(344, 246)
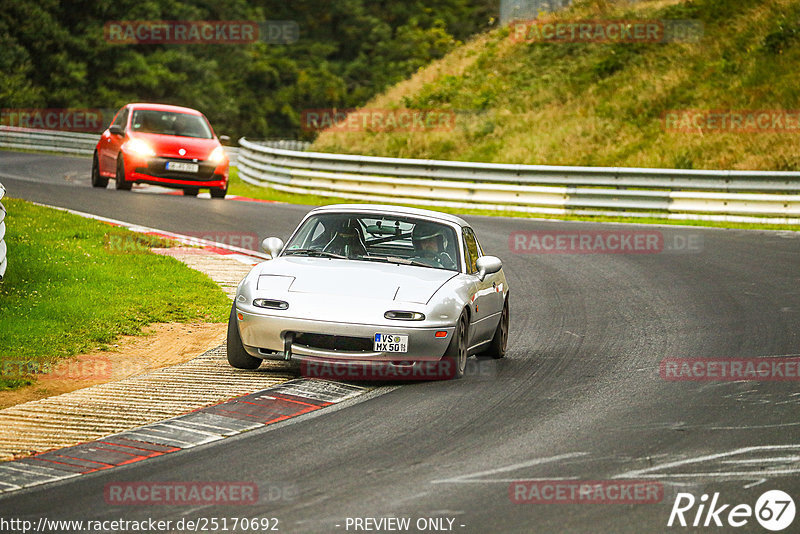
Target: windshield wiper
point(395, 259)
point(314, 252)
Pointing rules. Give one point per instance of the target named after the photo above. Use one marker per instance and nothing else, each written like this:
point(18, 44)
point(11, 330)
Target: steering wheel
point(445, 260)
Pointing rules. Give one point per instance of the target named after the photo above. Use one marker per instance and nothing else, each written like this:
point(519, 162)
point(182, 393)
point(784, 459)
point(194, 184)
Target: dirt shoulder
point(161, 345)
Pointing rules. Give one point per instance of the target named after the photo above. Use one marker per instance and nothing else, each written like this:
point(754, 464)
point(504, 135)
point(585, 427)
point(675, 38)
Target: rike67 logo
point(774, 510)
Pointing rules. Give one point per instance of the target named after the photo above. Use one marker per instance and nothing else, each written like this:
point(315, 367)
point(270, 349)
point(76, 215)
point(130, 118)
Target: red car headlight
point(217, 155)
point(140, 148)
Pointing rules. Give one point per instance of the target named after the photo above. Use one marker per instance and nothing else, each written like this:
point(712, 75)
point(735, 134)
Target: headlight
point(398, 315)
point(217, 155)
point(138, 148)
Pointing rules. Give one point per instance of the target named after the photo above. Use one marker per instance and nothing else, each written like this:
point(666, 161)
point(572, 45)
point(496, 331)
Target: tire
point(497, 348)
point(97, 180)
point(456, 354)
point(191, 191)
point(119, 180)
point(237, 356)
point(218, 192)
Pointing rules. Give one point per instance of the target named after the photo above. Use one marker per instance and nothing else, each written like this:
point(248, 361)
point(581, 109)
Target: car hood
point(351, 278)
point(169, 146)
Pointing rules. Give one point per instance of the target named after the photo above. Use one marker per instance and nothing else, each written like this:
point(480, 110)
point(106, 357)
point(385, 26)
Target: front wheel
point(97, 180)
point(497, 348)
point(237, 356)
point(119, 180)
point(219, 192)
point(455, 358)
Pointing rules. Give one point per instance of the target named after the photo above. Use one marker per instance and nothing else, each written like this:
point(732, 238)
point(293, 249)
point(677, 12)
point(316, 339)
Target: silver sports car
point(369, 285)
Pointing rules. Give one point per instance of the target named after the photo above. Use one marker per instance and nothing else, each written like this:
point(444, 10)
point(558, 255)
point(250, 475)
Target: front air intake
point(271, 304)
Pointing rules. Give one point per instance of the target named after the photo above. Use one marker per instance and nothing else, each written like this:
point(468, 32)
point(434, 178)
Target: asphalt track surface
point(579, 395)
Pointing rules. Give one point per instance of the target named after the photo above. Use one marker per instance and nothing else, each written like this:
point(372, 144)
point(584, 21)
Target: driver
point(429, 245)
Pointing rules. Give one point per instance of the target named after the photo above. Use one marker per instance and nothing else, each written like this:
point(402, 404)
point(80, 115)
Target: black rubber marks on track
point(272, 405)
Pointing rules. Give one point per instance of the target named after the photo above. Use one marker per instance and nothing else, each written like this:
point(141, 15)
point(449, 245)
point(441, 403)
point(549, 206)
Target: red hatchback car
point(169, 146)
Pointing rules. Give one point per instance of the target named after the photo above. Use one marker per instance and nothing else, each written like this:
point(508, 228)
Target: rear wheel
point(456, 355)
point(497, 348)
point(191, 191)
point(237, 356)
point(119, 180)
point(97, 180)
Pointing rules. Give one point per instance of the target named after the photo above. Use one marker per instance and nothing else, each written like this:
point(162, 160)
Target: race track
point(579, 395)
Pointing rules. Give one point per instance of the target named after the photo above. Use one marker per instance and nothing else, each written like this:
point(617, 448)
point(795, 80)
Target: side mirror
point(272, 246)
point(116, 129)
point(488, 265)
point(225, 139)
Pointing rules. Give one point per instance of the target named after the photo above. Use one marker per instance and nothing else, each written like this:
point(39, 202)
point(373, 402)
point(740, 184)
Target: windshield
point(385, 238)
point(170, 123)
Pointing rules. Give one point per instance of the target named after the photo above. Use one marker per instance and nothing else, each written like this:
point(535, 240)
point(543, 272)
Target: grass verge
point(75, 284)
point(605, 103)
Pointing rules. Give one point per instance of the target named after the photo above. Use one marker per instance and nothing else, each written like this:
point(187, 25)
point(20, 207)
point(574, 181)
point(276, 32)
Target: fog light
point(441, 333)
point(240, 316)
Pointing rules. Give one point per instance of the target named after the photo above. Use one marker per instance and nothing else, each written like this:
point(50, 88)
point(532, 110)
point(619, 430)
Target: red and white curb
point(206, 425)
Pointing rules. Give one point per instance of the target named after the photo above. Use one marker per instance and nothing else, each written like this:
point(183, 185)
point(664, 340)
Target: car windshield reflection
point(392, 239)
point(170, 123)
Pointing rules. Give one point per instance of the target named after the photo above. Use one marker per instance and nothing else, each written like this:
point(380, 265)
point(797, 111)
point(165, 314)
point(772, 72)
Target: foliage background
point(54, 55)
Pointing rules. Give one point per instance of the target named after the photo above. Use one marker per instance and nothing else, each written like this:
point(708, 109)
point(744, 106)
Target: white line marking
point(645, 472)
point(779, 425)
point(513, 467)
point(722, 474)
point(763, 460)
point(500, 480)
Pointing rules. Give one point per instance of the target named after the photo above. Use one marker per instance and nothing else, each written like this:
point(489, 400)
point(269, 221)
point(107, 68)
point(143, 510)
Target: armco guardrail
point(62, 142)
point(737, 196)
point(49, 140)
point(3, 247)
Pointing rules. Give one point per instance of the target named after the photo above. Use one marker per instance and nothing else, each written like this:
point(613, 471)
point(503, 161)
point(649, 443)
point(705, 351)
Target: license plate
point(182, 167)
point(391, 343)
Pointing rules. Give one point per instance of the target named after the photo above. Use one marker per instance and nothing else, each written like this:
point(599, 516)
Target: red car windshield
point(170, 123)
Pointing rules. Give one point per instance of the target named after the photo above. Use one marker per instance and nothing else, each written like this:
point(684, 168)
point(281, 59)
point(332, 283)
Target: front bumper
point(153, 171)
point(269, 336)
